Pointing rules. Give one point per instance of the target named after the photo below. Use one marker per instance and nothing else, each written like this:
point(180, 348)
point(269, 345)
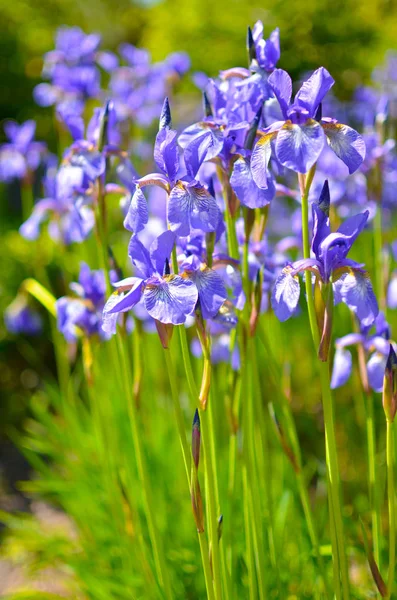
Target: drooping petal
point(281, 84)
point(246, 189)
point(356, 291)
point(138, 212)
point(123, 299)
point(376, 371)
point(211, 291)
point(192, 208)
point(342, 367)
point(161, 249)
point(260, 160)
point(347, 144)
point(285, 295)
point(140, 258)
point(171, 299)
point(299, 146)
point(30, 229)
point(166, 152)
point(313, 90)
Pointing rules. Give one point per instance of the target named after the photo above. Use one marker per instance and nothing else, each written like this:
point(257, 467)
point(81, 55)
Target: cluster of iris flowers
point(220, 230)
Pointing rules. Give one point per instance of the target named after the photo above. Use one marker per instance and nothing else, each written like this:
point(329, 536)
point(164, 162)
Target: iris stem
point(158, 552)
point(392, 506)
point(187, 462)
point(373, 488)
point(339, 549)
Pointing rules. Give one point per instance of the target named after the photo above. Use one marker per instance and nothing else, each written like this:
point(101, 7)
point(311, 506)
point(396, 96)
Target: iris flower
point(299, 139)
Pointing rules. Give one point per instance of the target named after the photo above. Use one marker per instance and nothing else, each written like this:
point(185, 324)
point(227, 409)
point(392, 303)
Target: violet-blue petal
point(192, 208)
point(125, 297)
point(313, 91)
point(356, 291)
point(347, 144)
point(299, 146)
point(30, 229)
point(260, 160)
point(170, 300)
point(281, 84)
point(195, 153)
point(166, 153)
point(140, 257)
point(285, 295)
point(392, 292)
point(376, 371)
point(246, 189)
point(211, 291)
point(161, 249)
point(138, 212)
point(342, 367)
point(321, 228)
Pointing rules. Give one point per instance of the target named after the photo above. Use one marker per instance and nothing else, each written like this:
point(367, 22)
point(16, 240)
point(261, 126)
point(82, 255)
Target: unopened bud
point(207, 106)
point(196, 438)
point(165, 331)
point(256, 302)
point(250, 46)
point(390, 386)
point(165, 117)
point(197, 502)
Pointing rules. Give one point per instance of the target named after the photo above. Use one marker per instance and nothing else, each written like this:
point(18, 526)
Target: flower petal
point(211, 291)
point(356, 291)
point(376, 371)
point(342, 367)
point(166, 153)
point(285, 295)
point(161, 249)
point(246, 189)
point(347, 144)
point(138, 212)
point(140, 258)
point(171, 299)
point(299, 146)
point(314, 89)
point(260, 160)
point(192, 208)
point(120, 301)
point(281, 84)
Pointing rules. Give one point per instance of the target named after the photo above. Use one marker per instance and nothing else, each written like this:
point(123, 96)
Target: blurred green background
point(346, 36)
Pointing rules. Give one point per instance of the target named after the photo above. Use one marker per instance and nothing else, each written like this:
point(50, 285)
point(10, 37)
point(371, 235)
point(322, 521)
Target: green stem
point(158, 552)
point(187, 462)
point(331, 452)
point(209, 467)
point(333, 473)
point(373, 489)
point(378, 251)
point(392, 506)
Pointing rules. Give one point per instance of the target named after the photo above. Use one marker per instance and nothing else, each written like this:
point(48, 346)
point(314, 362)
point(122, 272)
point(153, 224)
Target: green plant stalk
point(373, 491)
point(158, 553)
point(187, 462)
point(293, 437)
point(330, 440)
point(392, 506)
point(378, 251)
point(252, 588)
point(210, 492)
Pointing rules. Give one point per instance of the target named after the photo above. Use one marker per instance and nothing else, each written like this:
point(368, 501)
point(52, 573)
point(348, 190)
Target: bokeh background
point(348, 37)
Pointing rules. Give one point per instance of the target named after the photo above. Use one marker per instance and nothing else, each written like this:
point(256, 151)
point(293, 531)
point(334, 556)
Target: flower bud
point(196, 438)
point(165, 331)
point(389, 398)
point(197, 502)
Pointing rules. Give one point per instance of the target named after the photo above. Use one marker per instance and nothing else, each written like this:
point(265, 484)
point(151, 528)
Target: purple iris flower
point(168, 298)
point(190, 205)
point(66, 203)
point(21, 154)
point(376, 346)
point(300, 138)
point(330, 264)
point(210, 286)
point(72, 69)
point(83, 312)
point(19, 318)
